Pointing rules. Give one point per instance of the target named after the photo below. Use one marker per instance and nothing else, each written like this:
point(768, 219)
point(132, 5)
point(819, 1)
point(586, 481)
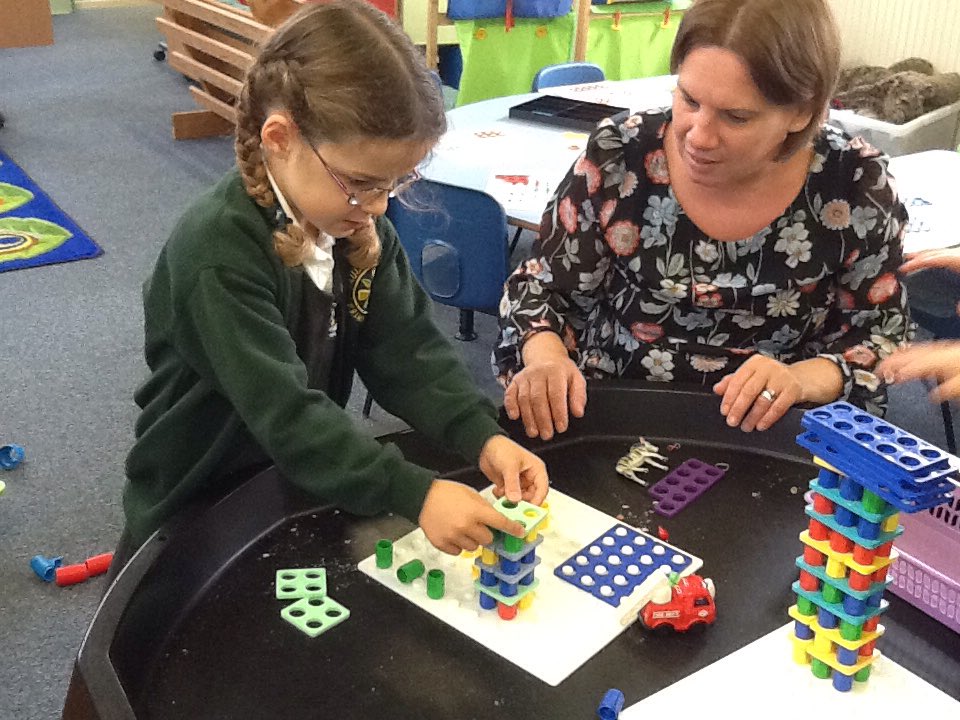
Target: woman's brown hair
point(344, 71)
point(791, 47)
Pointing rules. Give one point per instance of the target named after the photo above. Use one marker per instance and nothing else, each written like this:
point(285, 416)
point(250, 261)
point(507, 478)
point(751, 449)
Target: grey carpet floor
point(89, 120)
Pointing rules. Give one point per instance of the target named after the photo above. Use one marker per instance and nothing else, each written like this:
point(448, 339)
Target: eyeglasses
point(356, 198)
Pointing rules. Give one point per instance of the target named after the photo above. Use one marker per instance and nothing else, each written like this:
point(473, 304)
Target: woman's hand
point(758, 393)
point(454, 517)
point(948, 258)
point(548, 390)
point(939, 360)
point(514, 471)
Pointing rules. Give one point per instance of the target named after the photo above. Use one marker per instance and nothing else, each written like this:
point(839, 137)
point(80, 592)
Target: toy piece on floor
point(623, 563)
point(683, 603)
point(384, 554)
point(11, 456)
point(80, 572)
point(611, 705)
point(871, 470)
point(683, 485)
point(314, 612)
point(44, 567)
point(507, 566)
point(641, 453)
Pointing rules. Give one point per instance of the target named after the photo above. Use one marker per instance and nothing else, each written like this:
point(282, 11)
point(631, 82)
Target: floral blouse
point(636, 290)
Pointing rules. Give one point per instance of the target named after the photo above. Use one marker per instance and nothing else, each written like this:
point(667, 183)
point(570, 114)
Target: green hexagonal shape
point(315, 615)
point(296, 583)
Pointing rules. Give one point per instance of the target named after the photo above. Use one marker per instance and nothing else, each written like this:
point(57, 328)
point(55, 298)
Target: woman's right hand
point(454, 517)
point(548, 390)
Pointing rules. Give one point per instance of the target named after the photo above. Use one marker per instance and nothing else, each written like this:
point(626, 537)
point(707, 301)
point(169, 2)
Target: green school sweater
point(227, 386)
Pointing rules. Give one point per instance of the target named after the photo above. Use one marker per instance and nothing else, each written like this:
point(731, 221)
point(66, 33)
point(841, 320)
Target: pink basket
point(927, 573)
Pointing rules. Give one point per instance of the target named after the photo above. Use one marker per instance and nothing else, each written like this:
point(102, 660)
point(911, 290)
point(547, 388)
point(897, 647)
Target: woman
point(732, 241)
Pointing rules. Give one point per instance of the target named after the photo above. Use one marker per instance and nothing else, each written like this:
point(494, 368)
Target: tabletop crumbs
point(755, 494)
point(794, 490)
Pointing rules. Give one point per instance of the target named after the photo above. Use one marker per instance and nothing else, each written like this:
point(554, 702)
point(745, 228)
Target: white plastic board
point(566, 624)
point(762, 681)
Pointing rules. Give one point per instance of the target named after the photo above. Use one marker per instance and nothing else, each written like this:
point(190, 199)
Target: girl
point(285, 278)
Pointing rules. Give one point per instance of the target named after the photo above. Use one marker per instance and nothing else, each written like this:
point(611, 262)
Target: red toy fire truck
point(681, 604)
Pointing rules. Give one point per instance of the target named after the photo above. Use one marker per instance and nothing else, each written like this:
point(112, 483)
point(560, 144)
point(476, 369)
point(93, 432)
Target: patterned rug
point(33, 230)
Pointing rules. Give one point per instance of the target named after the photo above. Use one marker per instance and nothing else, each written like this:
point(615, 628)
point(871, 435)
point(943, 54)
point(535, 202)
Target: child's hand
point(948, 258)
point(454, 518)
point(514, 471)
point(939, 360)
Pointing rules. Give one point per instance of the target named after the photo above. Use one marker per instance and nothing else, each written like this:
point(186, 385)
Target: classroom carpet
point(33, 230)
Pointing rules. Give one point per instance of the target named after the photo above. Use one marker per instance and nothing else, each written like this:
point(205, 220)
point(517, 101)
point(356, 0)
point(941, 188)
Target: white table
point(927, 183)
point(483, 142)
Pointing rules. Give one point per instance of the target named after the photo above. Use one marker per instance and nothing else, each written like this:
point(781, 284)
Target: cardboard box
point(25, 22)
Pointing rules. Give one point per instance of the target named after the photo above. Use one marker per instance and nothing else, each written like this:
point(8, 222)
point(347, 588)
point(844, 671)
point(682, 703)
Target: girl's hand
point(746, 393)
point(939, 360)
point(948, 258)
point(514, 471)
point(454, 517)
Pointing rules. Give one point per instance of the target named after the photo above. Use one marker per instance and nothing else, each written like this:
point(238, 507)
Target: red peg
point(72, 574)
point(662, 533)
point(99, 564)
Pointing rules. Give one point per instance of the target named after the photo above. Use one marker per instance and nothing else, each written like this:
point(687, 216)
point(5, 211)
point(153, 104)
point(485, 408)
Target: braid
point(290, 242)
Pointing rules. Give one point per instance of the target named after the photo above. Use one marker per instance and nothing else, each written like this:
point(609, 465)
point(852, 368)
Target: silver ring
point(769, 395)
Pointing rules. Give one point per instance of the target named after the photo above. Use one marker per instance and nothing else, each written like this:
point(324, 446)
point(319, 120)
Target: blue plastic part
point(854, 606)
point(487, 578)
point(841, 682)
point(844, 517)
point(829, 479)
point(845, 656)
point(44, 567)
point(623, 553)
point(897, 493)
point(611, 705)
point(529, 557)
point(870, 472)
point(850, 489)
point(487, 602)
point(873, 437)
point(509, 567)
point(499, 575)
point(508, 589)
point(802, 631)
point(11, 456)
point(827, 619)
point(527, 579)
point(868, 530)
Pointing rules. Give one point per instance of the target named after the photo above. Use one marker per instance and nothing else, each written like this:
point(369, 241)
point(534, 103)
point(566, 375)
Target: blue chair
point(456, 242)
point(571, 73)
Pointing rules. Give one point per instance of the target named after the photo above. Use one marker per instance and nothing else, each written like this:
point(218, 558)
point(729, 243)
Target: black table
point(191, 628)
